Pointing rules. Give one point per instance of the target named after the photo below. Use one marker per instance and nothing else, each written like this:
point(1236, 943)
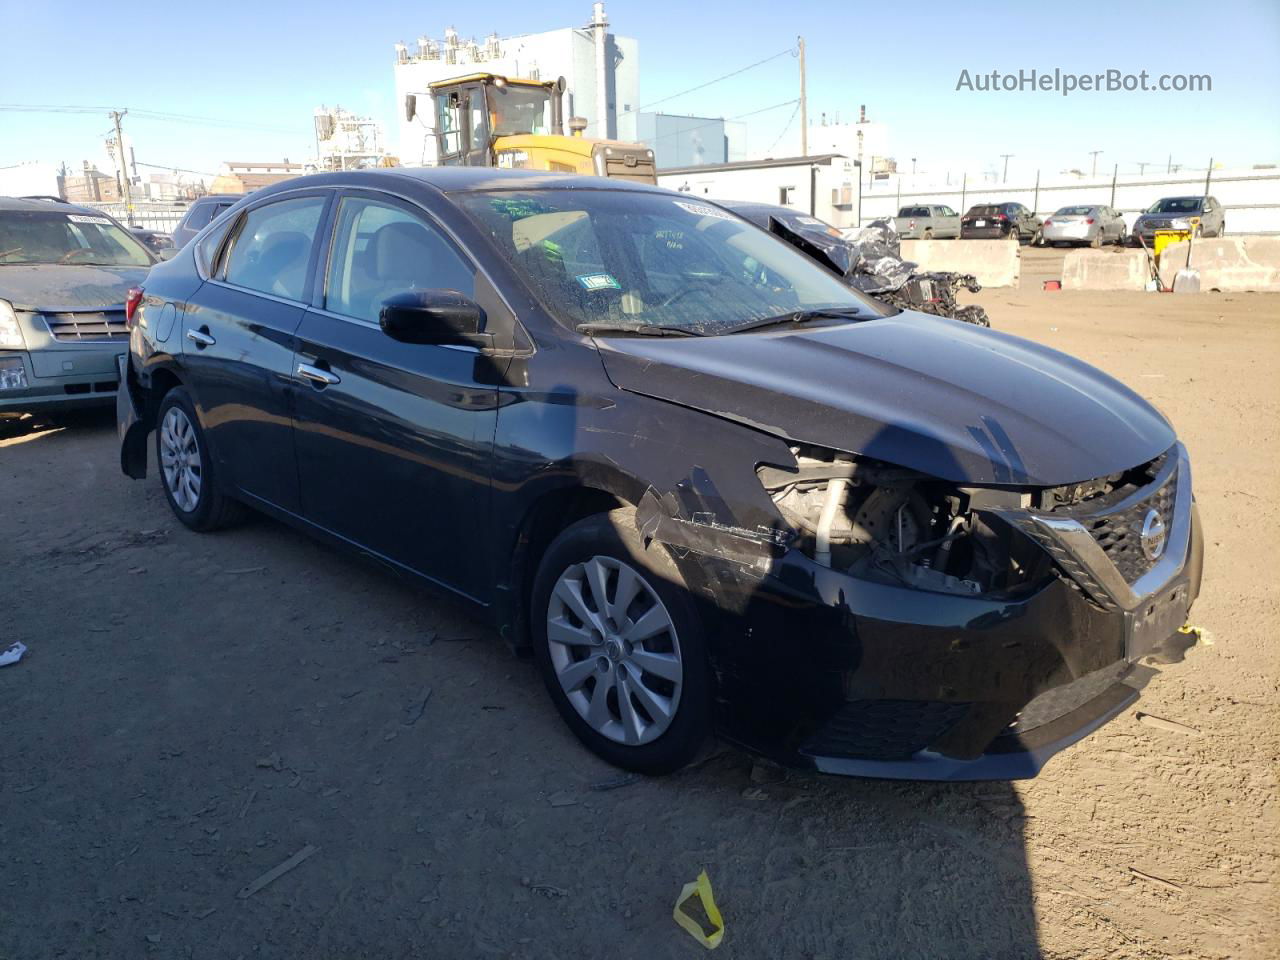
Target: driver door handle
point(200, 338)
point(323, 378)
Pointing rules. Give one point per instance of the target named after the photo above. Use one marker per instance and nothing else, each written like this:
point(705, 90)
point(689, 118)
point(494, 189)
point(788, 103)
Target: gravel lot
point(195, 710)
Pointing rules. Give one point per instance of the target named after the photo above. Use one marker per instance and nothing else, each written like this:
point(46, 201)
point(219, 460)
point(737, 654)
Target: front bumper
point(90, 380)
point(853, 677)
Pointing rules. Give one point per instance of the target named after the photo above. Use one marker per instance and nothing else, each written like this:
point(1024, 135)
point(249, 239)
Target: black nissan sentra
point(709, 487)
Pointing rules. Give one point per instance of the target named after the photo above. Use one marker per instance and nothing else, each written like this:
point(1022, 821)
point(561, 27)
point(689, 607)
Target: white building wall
point(568, 53)
point(831, 194)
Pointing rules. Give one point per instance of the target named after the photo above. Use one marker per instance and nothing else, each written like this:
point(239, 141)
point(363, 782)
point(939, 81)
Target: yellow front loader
point(484, 120)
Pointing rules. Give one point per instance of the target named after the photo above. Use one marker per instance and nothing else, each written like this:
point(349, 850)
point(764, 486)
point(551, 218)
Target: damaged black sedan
point(708, 486)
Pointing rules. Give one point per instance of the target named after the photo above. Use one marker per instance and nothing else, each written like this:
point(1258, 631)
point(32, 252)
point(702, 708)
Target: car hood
point(44, 286)
point(950, 399)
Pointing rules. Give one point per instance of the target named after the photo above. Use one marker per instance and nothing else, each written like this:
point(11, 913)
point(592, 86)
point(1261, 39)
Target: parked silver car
point(66, 275)
point(1203, 216)
point(1091, 225)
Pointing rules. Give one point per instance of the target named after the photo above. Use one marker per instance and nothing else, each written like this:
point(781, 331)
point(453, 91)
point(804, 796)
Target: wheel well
point(551, 514)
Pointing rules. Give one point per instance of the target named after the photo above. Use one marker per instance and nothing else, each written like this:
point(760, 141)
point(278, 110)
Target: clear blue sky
point(271, 63)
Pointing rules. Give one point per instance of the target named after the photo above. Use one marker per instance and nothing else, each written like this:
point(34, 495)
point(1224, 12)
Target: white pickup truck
point(931, 222)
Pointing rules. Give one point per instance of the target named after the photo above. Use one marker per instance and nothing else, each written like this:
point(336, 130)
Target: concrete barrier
point(1105, 270)
point(1228, 264)
point(994, 262)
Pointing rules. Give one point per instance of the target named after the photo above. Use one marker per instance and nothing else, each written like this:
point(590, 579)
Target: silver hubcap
point(180, 459)
point(615, 650)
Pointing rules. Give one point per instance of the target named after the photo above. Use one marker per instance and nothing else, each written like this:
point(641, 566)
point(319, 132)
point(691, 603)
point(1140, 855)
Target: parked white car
point(1089, 225)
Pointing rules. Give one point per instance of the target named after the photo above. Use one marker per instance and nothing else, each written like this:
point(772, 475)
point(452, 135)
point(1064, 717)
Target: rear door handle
point(200, 338)
point(316, 375)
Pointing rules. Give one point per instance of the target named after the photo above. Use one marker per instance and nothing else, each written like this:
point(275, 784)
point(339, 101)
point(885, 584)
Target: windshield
point(519, 109)
point(1176, 205)
point(1074, 212)
point(989, 210)
point(52, 236)
point(650, 259)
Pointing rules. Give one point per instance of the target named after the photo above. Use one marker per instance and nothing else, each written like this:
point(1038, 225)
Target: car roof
point(459, 180)
point(58, 206)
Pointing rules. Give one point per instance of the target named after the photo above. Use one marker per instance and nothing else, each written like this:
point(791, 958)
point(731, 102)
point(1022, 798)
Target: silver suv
point(1203, 216)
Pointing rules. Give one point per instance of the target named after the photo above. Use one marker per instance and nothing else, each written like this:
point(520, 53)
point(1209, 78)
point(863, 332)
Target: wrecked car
point(65, 275)
point(870, 260)
point(709, 487)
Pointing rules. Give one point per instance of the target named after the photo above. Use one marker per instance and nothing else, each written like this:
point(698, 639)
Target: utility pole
point(1094, 154)
point(913, 166)
point(804, 105)
point(116, 116)
point(1142, 166)
point(1005, 177)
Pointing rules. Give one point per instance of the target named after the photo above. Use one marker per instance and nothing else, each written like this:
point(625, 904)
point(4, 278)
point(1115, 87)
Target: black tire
point(212, 509)
point(613, 538)
point(928, 234)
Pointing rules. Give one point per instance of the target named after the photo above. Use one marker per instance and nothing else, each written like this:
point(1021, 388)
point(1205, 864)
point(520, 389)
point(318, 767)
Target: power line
point(703, 86)
point(786, 128)
point(712, 123)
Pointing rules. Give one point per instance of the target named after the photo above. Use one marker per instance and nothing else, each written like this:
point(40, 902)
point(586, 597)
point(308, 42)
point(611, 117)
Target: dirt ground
point(195, 710)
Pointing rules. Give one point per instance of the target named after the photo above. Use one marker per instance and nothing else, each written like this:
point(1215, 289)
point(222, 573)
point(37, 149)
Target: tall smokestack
point(599, 26)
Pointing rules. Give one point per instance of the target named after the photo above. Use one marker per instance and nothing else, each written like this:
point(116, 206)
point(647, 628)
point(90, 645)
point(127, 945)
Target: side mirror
point(166, 253)
point(434, 316)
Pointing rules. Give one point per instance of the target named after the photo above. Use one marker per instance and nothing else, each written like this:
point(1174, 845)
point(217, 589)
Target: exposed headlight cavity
point(885, 523)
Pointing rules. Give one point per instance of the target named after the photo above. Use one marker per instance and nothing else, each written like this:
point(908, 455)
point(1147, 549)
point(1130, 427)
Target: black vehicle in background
point(869, 259)
point(709, 485)
point(994, 221)
point(203, 211)
point(157, 241)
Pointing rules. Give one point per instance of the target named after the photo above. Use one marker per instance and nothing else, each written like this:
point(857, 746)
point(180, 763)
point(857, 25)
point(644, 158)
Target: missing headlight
point(885, 523)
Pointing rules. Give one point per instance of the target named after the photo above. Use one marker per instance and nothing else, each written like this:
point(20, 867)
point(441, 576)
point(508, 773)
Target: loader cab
point(472, 112)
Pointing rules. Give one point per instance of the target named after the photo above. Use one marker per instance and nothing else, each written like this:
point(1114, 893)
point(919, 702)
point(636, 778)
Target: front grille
point(1157, 224)
point(1120, 534)
point(884, 729)
point(87, 327)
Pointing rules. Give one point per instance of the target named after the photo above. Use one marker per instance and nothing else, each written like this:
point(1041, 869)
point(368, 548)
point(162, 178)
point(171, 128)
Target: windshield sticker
point(599, 281)
point(702, 210)
point(76, 218)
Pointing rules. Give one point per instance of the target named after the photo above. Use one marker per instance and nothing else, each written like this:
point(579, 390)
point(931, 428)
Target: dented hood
point(950, 399)
point(42, 286)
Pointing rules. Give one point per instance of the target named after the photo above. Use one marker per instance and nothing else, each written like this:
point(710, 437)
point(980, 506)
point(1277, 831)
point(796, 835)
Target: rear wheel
point(1095, 241)
point(187, 470)
point(928, 234)
point(620, 646)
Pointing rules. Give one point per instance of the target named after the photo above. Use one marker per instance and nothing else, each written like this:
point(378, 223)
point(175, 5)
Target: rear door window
point(381, 249)
point(272, 248)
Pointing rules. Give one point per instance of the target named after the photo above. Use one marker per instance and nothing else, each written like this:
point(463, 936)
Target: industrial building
point(601, 72)
point(682, 141)
point(346, 141)
point(826, 186)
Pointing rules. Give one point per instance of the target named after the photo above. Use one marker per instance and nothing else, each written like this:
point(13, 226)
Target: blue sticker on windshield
point(599, 281)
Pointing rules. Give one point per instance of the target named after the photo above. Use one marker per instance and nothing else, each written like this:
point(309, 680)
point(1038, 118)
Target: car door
point(238, 342)
point(394, 439)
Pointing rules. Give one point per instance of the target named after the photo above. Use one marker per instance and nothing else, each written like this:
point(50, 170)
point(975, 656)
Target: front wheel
point(620, 645)
point(186, 468)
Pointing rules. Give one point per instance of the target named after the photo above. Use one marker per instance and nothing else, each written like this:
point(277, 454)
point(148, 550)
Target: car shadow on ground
point(195, 710)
